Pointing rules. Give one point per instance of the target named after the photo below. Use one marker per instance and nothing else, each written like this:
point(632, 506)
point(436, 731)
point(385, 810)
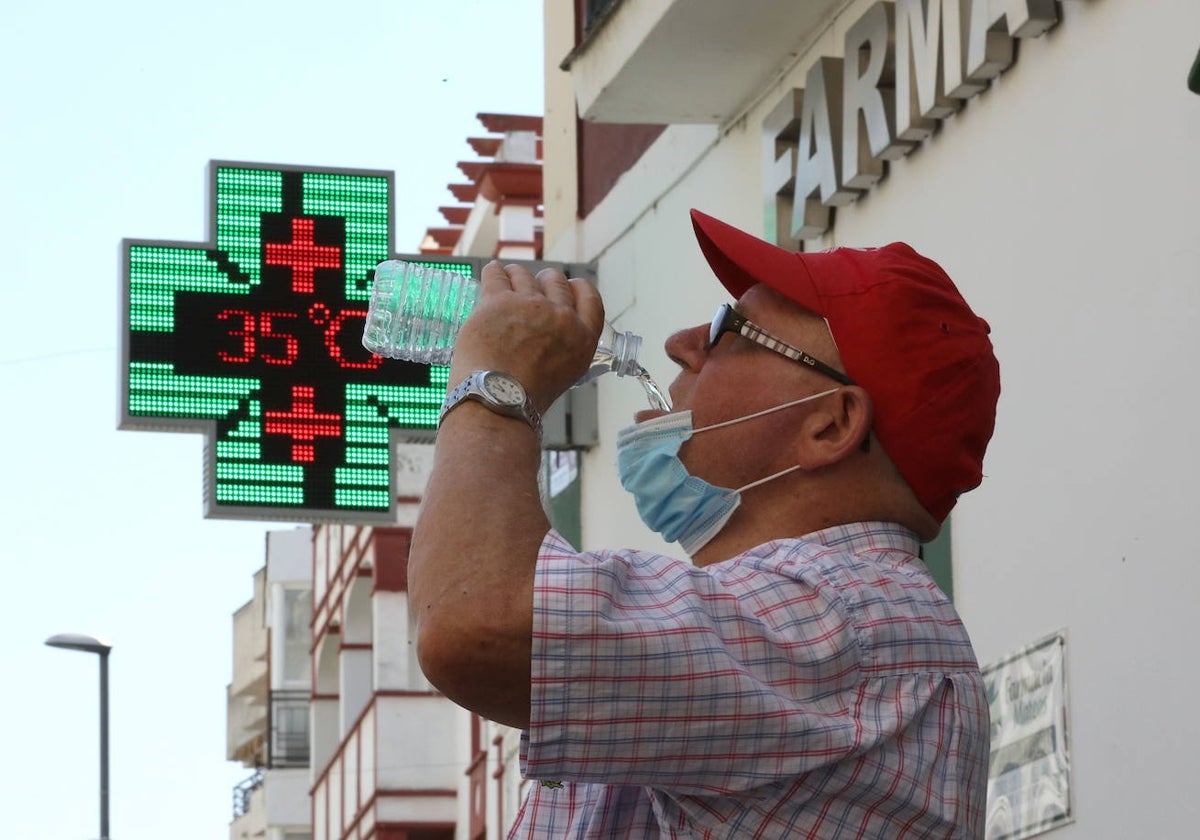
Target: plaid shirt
point(819, 687)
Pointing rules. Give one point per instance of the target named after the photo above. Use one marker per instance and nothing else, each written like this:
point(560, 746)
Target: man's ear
point(836, 427)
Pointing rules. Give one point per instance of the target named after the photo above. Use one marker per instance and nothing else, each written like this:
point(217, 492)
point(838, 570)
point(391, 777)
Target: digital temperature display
point(255, 340)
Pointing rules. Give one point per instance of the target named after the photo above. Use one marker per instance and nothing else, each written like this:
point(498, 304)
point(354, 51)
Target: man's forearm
point(472, 562)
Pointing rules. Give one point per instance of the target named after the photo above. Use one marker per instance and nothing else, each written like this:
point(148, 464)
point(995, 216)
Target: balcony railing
point(289, 741)
point(242, 792)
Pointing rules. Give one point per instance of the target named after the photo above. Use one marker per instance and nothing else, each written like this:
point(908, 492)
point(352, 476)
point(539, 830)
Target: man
point(803, 676)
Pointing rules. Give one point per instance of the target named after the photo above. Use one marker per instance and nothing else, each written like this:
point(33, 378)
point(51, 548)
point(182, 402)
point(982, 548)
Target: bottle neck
point(626, 346)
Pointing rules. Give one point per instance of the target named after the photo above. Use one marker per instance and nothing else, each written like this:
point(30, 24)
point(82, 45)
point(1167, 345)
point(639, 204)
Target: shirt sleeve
point(650, 671)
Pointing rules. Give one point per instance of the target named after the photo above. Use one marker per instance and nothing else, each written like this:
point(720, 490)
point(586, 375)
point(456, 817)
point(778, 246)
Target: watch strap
point(473, 388)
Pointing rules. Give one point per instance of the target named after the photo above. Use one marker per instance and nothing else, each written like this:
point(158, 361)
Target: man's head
point(902, 332)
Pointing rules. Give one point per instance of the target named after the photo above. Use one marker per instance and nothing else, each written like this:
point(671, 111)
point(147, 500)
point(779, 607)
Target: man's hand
point(541, 330)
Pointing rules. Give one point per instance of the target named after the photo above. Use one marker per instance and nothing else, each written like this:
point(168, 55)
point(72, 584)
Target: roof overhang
point(688, 61)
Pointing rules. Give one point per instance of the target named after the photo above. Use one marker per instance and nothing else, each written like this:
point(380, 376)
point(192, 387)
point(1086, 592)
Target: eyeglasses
point(728, 319)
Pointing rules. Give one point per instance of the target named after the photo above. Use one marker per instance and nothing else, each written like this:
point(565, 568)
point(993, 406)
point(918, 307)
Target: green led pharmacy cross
point(255, 340)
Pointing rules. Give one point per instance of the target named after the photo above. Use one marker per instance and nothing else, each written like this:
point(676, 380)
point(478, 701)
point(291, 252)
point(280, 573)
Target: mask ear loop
point(746, 487)
point(765, 411)
point(783, 472)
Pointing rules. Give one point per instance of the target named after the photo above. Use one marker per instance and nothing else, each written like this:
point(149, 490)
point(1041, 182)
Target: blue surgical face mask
point(681, 507)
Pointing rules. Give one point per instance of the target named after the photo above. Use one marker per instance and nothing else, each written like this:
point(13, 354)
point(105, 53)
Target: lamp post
point(77, 641)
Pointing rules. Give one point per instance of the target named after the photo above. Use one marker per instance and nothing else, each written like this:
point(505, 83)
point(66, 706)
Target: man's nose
point(687, 347)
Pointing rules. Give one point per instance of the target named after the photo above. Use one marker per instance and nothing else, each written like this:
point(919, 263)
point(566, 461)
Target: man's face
point(737, 377)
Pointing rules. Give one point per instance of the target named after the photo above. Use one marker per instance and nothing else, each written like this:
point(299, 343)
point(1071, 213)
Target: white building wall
point(289, 556)
point(1063, 201)
point(395, 661)
point(355, 681)
point(355, 687)
point(287, 801)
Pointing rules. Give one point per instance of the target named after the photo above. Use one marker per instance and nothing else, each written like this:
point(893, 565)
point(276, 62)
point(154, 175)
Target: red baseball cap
point(905, 335)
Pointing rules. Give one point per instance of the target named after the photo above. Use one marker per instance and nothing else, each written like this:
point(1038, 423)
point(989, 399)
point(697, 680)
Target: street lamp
point(78, 641)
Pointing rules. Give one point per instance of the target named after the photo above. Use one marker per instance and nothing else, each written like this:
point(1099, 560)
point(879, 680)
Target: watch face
point(504, 389)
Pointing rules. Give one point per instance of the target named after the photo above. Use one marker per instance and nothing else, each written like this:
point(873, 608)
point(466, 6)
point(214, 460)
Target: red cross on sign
point(302, 424)
point(303, 255)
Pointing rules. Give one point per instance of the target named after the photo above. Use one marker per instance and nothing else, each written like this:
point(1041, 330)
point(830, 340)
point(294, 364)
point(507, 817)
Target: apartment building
point(268, 697)
point(1045, 154)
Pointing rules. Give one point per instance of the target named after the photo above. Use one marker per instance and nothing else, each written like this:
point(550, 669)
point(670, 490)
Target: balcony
point(288, 745)
point(398, 765)
point(685, 61)
point(245, 729)
point(246, 694)
point(269, 802)
point(243, 793)
point(278, 793)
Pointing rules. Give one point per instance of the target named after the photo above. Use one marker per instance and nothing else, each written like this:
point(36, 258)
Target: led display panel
point(255, 340)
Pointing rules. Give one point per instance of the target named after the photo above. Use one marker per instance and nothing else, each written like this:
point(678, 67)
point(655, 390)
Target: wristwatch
point(499, 392)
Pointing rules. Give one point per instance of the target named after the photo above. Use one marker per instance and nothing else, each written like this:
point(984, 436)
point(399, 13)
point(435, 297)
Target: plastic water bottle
point(416, 311)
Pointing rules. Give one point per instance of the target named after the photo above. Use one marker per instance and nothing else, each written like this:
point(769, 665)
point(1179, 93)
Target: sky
point(109, 114)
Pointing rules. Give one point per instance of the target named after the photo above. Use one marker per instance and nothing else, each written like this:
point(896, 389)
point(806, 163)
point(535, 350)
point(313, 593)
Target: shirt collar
point(863, 537)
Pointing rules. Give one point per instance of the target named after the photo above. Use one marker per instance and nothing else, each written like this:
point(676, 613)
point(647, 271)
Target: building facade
point(268, 697)
point(1044, 153)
